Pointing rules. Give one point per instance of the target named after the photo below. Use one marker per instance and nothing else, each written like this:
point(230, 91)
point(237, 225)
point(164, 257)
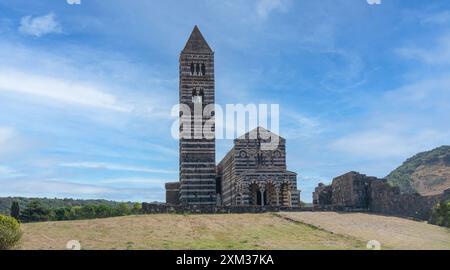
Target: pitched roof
point(196, 43)
point(259, 132)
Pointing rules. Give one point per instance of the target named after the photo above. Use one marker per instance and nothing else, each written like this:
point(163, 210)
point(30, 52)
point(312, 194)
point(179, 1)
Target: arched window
point(197, 69)
point(192, 69)
point(197, 96)
point(203, 69)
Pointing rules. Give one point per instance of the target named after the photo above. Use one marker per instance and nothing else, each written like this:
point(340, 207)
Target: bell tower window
point(197, 96)
point(197, 69)
point(192, 69)
point(203, 69)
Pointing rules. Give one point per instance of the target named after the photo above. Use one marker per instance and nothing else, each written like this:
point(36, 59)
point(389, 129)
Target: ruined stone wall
point(352, 190)
point(322, 195)
point(150, 208)
point(360, 192)
point(388, 200)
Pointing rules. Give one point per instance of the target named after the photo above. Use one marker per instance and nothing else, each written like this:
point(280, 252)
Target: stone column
point(277, 192)
point(262, 196)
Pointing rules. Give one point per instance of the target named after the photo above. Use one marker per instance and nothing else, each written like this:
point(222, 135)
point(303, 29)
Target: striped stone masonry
point(248, 175)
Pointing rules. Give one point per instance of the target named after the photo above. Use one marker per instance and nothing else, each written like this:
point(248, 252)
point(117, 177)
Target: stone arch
point(272, 194)
point(286, 194)
point(253, 190)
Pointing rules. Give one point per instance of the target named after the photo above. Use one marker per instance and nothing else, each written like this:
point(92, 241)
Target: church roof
point(196, 43)
point(259, 132)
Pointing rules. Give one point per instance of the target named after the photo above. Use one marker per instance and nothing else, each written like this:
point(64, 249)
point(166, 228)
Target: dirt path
point(391, 232)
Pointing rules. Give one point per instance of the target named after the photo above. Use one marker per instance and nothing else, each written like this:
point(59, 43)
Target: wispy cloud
point(39, 26)
point(115, 167)
point(374, 2)
point(5, 135)
point(434, 55)
point(67, 189)
point(7, 172)
point(66, 91)
point(74, 2)
point(10, 142)
point(265, 7)
point(441, 17)
point(387, 143)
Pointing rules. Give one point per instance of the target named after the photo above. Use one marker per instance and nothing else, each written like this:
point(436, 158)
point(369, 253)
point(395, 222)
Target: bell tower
point(197, 151)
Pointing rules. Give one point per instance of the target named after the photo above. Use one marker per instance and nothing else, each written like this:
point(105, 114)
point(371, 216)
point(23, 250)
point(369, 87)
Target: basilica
point(249, 174)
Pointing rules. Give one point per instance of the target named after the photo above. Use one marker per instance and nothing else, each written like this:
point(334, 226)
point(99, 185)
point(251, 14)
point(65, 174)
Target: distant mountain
point(426, 173)
point(5, 203)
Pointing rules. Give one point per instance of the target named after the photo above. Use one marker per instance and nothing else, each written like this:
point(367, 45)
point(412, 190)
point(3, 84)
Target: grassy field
point(236, 231)
point(231, 231)
point(391, 232)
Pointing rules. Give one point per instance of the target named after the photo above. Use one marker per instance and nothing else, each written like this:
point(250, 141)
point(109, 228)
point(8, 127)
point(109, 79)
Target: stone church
point(248, 175)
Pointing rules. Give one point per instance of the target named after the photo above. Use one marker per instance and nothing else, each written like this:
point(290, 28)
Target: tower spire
point(197, 43)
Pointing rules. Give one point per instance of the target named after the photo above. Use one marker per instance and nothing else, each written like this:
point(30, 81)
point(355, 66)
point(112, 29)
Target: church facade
point(248, 175)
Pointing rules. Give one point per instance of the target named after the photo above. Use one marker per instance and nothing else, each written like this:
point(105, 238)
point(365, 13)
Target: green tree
point(61, 213)
point(137, 208)
point(122, 209)
point(441, 214)
point(10, 232)
point(103, 211)
point(15, 210)
point(34, 212)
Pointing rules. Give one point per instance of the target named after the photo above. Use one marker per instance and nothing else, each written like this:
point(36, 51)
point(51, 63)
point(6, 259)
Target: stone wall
point(388, 200)
point(173, 193)
point(151, 208)
point(358, 192)
point(322, 195)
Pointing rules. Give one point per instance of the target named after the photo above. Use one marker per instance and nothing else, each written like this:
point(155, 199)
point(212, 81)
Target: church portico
point(262, 189)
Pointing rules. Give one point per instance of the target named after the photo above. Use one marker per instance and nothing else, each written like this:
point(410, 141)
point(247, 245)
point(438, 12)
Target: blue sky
point(86, 89)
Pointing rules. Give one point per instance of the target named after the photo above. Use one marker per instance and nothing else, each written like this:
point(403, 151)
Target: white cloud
point(115, 167)
point(299, 126)
point(410, 119)
point(39, 26)
point(10, 142)
point(64, 189)
point(6, 134)
point(7, 172)
point(387, 143)
point(436, 18)
point(74, 2)
point(374, 2)
point(265, 7)
point(437, 54)
point(147, 182)
point(60, 90)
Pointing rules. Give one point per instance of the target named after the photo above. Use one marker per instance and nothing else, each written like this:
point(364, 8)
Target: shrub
point(10, 232)
point(15, 210)
point(441, 214)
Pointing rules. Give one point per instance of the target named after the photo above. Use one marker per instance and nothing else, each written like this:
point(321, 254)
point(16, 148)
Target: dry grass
point(305, 230)
point(391, 232)
point(232, 231)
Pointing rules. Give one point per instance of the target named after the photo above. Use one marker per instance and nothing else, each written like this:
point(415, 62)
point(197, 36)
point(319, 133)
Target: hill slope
point(426, 173)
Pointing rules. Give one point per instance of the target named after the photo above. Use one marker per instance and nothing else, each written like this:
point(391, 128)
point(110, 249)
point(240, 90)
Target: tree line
point(35, 211)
